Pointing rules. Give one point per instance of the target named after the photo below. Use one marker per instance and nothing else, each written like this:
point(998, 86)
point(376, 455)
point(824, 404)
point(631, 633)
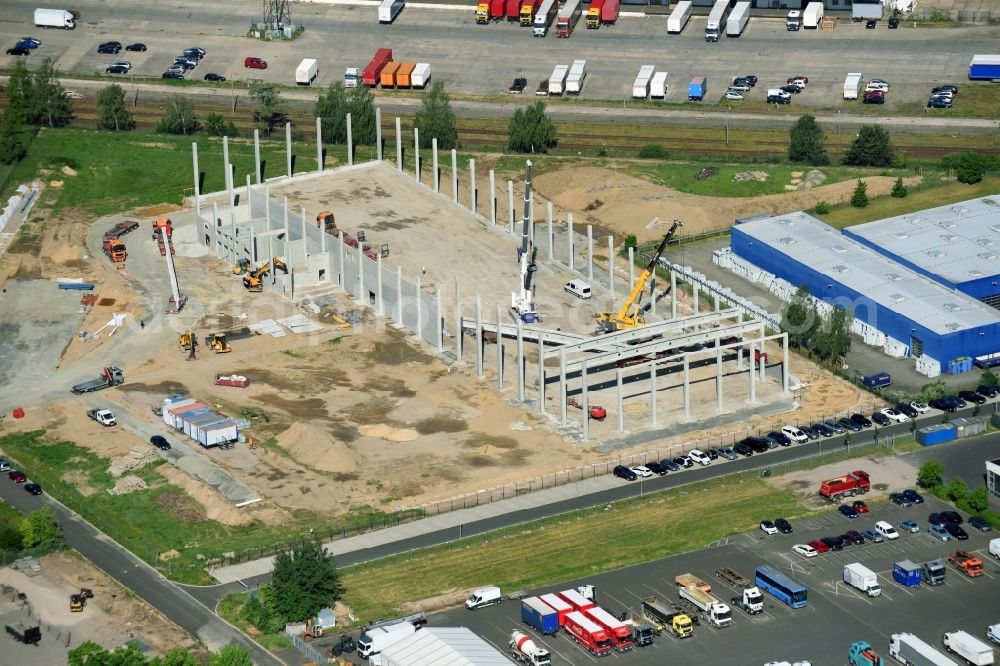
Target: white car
point(993, 633)
point(880, 82)
point(794, 434)
point(767, 527)
point(742, 87)
point(872, 85)
point(734, 95)
point(805, 550)
point(121, 63)
point(699, 457)
point(920, 407)
point(642, 470)
point(893, 415)
point(798, 83)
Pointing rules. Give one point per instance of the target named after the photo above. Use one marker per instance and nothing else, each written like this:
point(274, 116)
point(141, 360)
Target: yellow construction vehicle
point(327, 222)
point(217, 343)
point(242, 266)
point(254, 281)
point(187, 340)
point(630, 314)
point(76, 603)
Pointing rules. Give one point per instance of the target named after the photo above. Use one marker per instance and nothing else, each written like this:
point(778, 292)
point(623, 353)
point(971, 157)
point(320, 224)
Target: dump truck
point(523, 649)
point(664, 615)
point(695, 592)
point(110, 376)
point(23, 634)
point(968, 647)
point(849, 485)
point(861, 577)
point(862, 654)
point(77, 602)
point(751, 601)
point(967, 563)
point(910, 650)
point(692, 581)
point(102, 416)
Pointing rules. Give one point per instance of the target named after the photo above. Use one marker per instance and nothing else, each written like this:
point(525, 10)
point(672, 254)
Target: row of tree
point(92, 654)
point(38, 529)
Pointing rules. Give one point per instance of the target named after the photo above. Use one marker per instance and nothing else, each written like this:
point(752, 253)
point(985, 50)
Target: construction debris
point(114, 324)
point(134, 459)
point(127, 484)
point(239, 381)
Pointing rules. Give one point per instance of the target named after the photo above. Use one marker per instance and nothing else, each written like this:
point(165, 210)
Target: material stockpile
point(127, 484)
point(318, 448)
point(134, 459)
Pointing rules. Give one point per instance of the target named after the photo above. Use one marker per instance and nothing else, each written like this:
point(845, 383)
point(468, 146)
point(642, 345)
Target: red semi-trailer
point(513, 10)
point(855, 483)
point(497, 9)
point(372, 74)
point(588, 633)
point(576, 600)
point(609, 11)
point(621, 634)
point(558, 605)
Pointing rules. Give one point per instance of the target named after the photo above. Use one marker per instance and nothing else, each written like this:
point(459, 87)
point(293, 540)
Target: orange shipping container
point(403, 74)
point(389, 74)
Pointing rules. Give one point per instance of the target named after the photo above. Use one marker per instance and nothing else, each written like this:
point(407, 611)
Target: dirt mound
point(388, 433)
point(317, 448)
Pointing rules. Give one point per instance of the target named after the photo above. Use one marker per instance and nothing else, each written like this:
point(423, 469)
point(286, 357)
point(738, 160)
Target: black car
point(945, 89)
point(861, 420)
point(988, 391)
point(518, 86)
point(791, 89)
point(870, 25)
point(913, 496)
point(972, 396)
point(116, 69)
point(212, 76)
point(172, 75)
point(743, 449)
point(160, 442)
point(955, 400)
point(980, 524)
point(749, 78)
point(35, 489)
point(854, 537)
point(952, 517)
point(956, 531)
point(110, 47)
point(900, 499)
point(136, 47)
point(834, 542)
point(823, 429)
point(186, 64)
point(19, 51)
point(942, 404)
point(936, 519)
point(783, 525)
point(893, 23)
point(623, 472)
point(906, 409)
point(670, 464)
point(780, 437)
point(756, 444)
point(683, 461)
point(656, 468)
point(871, 98)
point(849, 424)
point(712, 454)
point(200, 52)
point(776, 99)
point(881, 419)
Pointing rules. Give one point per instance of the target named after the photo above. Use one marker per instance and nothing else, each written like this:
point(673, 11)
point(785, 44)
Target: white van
point(995, 548)
point(578, 288)
point(886, 530)
point(699, 457)
point(483, 597)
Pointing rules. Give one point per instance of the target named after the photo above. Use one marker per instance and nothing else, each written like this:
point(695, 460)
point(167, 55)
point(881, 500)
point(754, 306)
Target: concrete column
point(569, 241)
point(631, 268)
point(288, 148)
point(416, 154)
point(399, 145)
point(439, 321)
point(325, 241)
point(763, 364)
point(652, 293)
point(590, 251)
point(256, 156)
point(652, 393)
point(753, 379)
point(784, 363)
point(228, 170)
point(378, 134)
point(510, 207)
point(687, 386)
point(562, 386)
point(197, 191)
point(459, 332)
point(342, 272)
point(694, 297)
point(380, 296)
point(288, 228)
point(479, 338)
point(548, 222)
point(362, 292)
point(718, 380)
point(585, 400)
point(399, 295)
point(739, 358)
point(611, 267)
point(215, 227)
point(718, 303)
point(499, 354)
point(350, 142)
point(472, 186)
point(621, 411)
point(253, 234)
point(319, 144)
point(454, 175)
point(493, 197)
point(305, 241)
point(541, 372)
point(673, 294)
point(434, 159)
point(520, 361)
point(418, 308)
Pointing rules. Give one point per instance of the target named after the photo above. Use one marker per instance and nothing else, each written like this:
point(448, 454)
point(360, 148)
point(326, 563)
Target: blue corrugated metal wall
point(943, 348)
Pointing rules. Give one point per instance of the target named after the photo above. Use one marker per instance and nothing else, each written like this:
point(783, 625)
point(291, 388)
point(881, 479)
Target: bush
point(654, 151)
point(822, 207)
point(860, 197)
point(898, 189)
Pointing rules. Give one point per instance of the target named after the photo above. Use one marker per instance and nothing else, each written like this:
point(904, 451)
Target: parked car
point(113, 48)
point(945, 88)
point(116, 69)
point(871, 23)
point(988, 391)
point(819, 546)
point(846, 539)
point(855, 537)
point(872, 535)
point(743, 449)
point(683, 461)
point(767, 527)
point(16, 476)
point(751, 78)
point(19, 51)
point(4, 465)
point(212, 76)
point(980, 524)
point(907, 409)
point(670, 464)
point(956, 531)
point(196, 49)
point(713, 454)
point(783, 525)
point(836, 426)
point(791, 89)
point(848, 424)
point(920, 407)
point(936, 519)
point(35, 489)
point(811, 432)
point(938, 103)
point(881, 419)
point(656, 468)
point(793, 79)
point(833, 542)
point(779, 437)
point(794, 434)
point(623, 472)
point(254, 63)
point(727, 453)
point(873, 98)
point(913, 496)
point(848, 511)
point(30, 42)
point(805, 550)
point(138, 47)
point(894, 414)
point(972, 396)
point(734, 95)
point(861, 420)
point(121, 63)
point(642, 470)
point(860, 506)
point(777, 99)
point(941, 403)
point(171, 74)
point(893, 23)
point(740, 86)
point(939, 532)
point(900, 499)
point(881, 83)
point(160, 442)
point(909, 526)
point(952, 517)
point(958, 402)
point(823, 429)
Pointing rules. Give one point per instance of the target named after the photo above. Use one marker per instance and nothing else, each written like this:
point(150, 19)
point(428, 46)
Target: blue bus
point(781, 586)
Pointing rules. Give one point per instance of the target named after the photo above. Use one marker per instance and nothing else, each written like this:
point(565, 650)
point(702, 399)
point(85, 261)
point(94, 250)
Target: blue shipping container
point(79, 286)
point(906, 573)
point(536, 613)
point(877, 380)
point(984, 71)
point(937, 434)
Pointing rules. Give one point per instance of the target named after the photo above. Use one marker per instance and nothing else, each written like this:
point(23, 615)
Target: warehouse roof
point(443, 646)
point(959, 242)
point(824, 249)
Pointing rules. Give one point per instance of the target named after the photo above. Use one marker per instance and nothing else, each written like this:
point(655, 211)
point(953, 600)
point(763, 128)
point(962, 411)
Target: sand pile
point(317, 448)
point(389, 433)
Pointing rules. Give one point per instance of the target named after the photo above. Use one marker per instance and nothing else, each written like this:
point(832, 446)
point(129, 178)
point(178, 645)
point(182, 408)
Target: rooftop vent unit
point(991, 202)
point(961, 210)
point(787, 240)
point(975, 274)
point(840, 268)
point(951, 307)
point(893, 277)
point(985, 242)
point(936, 254)
point(947, 224)
point(897, 298)
point(989, 256)
point(840, 249)
point(949, 238)
point(953, 326)
point(900, 235)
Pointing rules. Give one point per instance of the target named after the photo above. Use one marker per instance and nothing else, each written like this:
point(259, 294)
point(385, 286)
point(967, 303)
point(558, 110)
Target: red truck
point(556, 603)
point(497, 9)
point(513, 10)
point(621, 635)
point(855, 483)
point(576, 600)
point(528, 9)
point(609, 12)
point(372, 74)
point(588, 633)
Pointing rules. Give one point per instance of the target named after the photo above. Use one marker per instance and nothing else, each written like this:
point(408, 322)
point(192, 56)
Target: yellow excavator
point(242, 266)
point(253, 281)
point(630, 314)
point(187, 340)
point(217, 343)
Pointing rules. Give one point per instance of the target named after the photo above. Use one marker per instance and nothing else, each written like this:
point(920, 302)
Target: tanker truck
point(524, 650)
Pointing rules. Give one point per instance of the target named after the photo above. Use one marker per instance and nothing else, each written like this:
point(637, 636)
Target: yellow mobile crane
point(630, 315)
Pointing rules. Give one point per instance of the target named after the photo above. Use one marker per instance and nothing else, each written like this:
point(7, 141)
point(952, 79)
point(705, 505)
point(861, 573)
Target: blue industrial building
point(956, 245)
point(910, 308)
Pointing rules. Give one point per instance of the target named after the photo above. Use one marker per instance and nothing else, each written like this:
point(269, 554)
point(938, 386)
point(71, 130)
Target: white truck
point(373, 641)
point(738, 19)
point(852, 85)
point(421, 75)
point(861, 577)
point(544, 17)
point(968, 647)
point(523, 649)
point(718, 613)
point(55, 18)
point(679, 17)
point(352, 76)
point(103, 416)
point(658, 85)
point(793, 21)
point(640, 87)
point(557, 81)
point(995, 548)
point(306, 72)
point(717, 20)
point(577, 75)
point(910, 650)
point(388, 10)
point(752, 601)
point(813, 15)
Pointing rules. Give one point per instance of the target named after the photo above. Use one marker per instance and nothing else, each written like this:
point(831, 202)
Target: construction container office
point(933, 324)
point(957, 245)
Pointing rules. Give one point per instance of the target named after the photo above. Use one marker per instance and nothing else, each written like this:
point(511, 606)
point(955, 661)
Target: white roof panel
point(443, 646)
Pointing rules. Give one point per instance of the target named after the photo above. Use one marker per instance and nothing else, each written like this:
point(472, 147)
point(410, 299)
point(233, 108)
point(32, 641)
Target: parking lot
point(836, 615)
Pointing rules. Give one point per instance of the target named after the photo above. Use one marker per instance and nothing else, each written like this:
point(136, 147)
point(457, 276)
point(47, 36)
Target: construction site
point(309, 337)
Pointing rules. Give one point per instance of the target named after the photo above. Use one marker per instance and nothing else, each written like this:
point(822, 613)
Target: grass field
point(683, 177)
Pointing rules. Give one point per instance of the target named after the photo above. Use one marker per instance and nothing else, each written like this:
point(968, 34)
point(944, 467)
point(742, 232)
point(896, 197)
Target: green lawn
point(683, 177)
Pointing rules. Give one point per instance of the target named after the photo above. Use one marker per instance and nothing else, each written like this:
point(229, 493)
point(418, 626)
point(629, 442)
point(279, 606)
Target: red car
point(17, 477)
point(254, 63)
point(819, 546)
point(860, 506)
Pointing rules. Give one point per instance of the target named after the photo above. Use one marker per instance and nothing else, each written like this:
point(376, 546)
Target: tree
point(215, 123)
point(899, 190)
point(971, 168)
point(126, 655)
point(179, 117)
point(870, 148)
point(261, 610)
point(39, 529)
point(979, 499)
point(331, 109)
point(958, 490)
point(50, 97)
point(933, 390)
point(87, 653)
point(13, 143)
point(860, 197)
point(21, 95)
point(231, 656)
point(177, 656)
point(800, 319)
point(988, 378)
point(806, 142)
point(530, 130)
point(841, 320)
point(361, 106)
point(305, 579)
point(436, 119)
point(10, 538)
point(270, 107)
point(930, 473)
point(111, 110)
